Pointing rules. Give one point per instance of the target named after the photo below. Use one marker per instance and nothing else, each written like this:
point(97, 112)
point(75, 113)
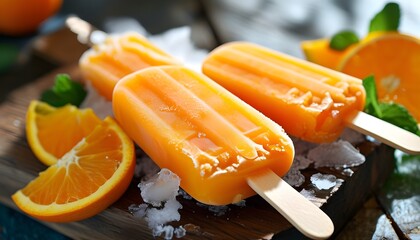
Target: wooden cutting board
point(257, 220)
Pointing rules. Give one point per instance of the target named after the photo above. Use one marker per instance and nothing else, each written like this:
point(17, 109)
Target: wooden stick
point(385, 132)
point(299, 211)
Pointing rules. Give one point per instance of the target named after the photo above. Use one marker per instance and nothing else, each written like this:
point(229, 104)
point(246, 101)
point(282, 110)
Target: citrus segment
point(394, 60)
point(318, 51)
point(51, 132)
point(85, 181)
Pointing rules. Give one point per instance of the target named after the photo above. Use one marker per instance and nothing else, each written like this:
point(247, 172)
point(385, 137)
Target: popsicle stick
point(385, 132)
point(86, 33)
point(299, 211)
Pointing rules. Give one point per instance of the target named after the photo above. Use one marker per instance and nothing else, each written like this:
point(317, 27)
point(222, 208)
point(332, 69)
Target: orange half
point(394, 60)
point(85, 181)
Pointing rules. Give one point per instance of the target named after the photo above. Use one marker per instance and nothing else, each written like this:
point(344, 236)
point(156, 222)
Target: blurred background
point(277, 24)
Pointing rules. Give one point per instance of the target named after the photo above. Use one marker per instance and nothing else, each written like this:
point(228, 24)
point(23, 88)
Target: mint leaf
point(399, 116)
point(390, 112)
point(65, 91)
point(388, 19)
point(343, 39)
point(371, 104)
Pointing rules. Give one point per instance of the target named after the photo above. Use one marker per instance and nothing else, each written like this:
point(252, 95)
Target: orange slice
point(85, 181)
point(394, 60)
point(52, 132)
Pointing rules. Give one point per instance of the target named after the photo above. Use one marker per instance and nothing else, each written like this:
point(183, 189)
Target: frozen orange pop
point(106, 63)
point(222, 149)
point(309, 101)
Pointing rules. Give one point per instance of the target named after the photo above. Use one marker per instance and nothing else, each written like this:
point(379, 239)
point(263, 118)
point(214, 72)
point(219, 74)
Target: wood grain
point(257, 220)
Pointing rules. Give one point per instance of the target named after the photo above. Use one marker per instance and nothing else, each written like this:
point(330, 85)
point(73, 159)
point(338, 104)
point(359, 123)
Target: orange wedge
point(394, 59)
point(318, 51)
point(52, 132)
point(85, 181)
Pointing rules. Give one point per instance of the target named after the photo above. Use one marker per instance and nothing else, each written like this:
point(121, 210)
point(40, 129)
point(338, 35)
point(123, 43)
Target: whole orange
point(19, 17)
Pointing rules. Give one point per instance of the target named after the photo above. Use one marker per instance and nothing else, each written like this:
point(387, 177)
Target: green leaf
point(371, 105)
point(8, 56)
point(65, 91)
point(390, 112)
point(388, 19)
point(343, 39)
point(399, 116)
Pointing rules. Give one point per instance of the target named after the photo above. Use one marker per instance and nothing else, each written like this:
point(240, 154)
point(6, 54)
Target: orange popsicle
point(307, 100)
point(222, 149)
point(211, 139)
point(106, 63)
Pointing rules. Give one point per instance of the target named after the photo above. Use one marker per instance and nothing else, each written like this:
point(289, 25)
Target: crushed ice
point(324, 181)
point(184, 194)
point(160, 207)
point(347, 172)
point(310, 195)
point(301, 147)
point(320, 185)
point(336, 154)
point(294, 177)
point(301, 162)
point(101, 106)
point(352, 136)
point(145, 167)
point(221, 210)
point(216, 210)
point(160, 188)
point(178, 43)
point(121, 25)
point(339, 154)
